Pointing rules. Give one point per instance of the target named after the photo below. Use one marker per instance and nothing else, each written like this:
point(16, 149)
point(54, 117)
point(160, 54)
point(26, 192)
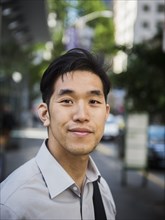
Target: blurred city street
point(130, 37)
point(133, 201)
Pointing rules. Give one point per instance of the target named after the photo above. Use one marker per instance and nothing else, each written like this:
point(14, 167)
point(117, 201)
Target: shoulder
point(21, 177)
point(107, 196)
point(104, 185)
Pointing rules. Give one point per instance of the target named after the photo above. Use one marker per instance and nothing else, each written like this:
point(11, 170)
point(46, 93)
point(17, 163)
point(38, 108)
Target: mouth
point(81, 132)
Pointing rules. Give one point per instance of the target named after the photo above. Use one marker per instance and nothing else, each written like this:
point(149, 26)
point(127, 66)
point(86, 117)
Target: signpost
point(135, 144)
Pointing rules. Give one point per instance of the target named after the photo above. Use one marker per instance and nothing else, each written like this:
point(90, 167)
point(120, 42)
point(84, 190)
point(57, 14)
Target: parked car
point(121, 122)
point(156, 146)
point(111, 129)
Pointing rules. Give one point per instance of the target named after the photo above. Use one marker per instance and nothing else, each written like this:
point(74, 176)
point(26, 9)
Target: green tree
point(103, 41)
point(103, 27)
point(144, 79)
point(60, 8)
point(13, 57)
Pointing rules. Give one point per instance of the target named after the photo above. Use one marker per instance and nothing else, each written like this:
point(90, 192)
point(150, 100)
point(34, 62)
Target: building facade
point(136, 21)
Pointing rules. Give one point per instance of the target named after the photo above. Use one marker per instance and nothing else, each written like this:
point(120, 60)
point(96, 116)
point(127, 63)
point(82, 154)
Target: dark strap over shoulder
point(98, 203)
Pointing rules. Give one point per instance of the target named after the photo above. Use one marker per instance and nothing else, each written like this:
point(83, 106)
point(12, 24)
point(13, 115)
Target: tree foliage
point(144, 79)
point(103, 27)
point(86, 7)
point(15, 58)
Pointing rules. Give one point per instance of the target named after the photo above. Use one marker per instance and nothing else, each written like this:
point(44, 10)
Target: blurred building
point(136, 21)
point(22, 23)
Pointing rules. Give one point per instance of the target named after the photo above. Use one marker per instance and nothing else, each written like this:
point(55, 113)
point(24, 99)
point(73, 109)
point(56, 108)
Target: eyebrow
point(96, 92)
point(70, 91)
point(65, 92)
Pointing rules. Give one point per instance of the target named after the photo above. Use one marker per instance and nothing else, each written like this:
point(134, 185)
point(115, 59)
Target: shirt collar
point(92, 173)
point(56, 178)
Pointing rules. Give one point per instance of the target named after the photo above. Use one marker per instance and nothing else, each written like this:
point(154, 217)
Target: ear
point(44, 114)
point(107, 110)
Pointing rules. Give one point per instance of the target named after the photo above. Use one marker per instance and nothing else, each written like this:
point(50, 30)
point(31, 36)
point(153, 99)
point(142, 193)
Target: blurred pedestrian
point(7, 123)
point(62, 181)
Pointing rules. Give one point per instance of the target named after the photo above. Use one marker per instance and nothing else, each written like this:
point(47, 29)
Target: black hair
point(72, 60)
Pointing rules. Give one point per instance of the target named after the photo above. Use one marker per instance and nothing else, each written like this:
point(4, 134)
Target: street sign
point(136, 141)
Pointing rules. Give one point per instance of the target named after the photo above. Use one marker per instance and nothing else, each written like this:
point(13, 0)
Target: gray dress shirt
point(41, 189)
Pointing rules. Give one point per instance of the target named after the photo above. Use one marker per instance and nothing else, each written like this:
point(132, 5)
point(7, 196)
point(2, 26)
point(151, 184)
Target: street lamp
point(80, 22)
point(79, 34)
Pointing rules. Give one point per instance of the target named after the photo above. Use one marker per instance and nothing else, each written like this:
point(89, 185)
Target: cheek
point(100, 122)
point(58, 118)
point(102, 116)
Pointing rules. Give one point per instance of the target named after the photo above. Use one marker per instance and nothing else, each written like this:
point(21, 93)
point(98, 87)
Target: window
point(159, 25)
point(146, 8)
point(145, 24)
point(161, 8)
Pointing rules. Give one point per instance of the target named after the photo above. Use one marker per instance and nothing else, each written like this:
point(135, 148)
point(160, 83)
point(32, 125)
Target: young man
point(62, 181)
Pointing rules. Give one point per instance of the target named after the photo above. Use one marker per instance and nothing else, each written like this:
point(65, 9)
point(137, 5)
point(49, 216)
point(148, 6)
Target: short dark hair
point(72, 60)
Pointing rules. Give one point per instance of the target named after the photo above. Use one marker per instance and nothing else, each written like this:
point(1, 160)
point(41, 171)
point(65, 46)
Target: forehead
point(79, 79)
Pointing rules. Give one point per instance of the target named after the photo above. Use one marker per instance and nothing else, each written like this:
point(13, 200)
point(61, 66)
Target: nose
point(81, 113)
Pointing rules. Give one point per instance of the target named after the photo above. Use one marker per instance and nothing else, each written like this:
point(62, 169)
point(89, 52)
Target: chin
point(82, 150)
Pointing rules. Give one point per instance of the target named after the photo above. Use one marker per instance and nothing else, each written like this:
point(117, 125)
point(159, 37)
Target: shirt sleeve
point(7, 213)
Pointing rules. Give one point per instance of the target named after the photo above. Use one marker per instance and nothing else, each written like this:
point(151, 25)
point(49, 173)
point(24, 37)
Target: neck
point(76, 168)
point(74, 165)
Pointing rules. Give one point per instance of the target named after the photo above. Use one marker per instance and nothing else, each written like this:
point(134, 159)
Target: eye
point(94, 102)
point(67, 101)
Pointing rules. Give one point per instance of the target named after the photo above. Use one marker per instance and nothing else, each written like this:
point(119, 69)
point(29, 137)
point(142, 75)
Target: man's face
point(77, 113)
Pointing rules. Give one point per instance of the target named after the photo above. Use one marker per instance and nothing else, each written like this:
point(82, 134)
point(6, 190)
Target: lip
point(80, 131)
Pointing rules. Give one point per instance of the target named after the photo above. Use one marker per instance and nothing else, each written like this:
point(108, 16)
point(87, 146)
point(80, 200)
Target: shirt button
point(75, 188)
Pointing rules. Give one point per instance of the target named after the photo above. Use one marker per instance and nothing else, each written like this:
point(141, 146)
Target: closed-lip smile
point(80, 131)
